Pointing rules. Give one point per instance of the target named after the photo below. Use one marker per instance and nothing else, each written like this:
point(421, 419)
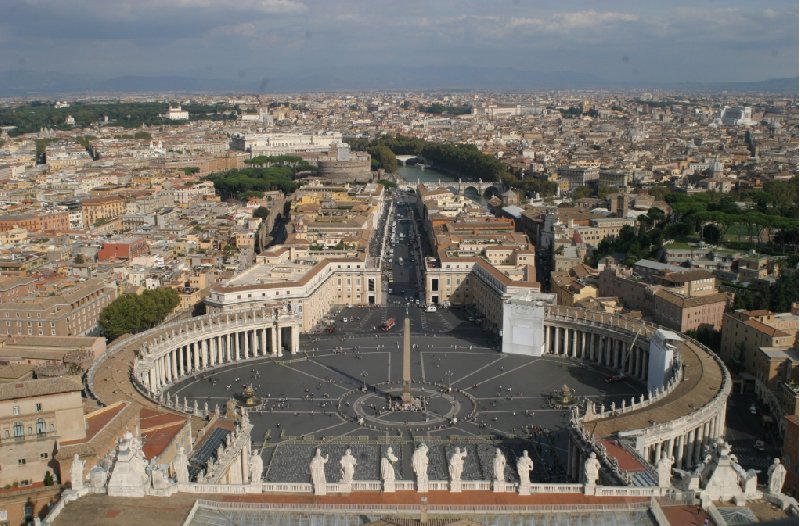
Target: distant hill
point(369, 77)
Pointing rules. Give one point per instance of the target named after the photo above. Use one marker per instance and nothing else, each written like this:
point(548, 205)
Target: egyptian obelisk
point(406, 359)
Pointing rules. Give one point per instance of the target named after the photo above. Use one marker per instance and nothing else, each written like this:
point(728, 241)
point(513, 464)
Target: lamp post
point(364, 379)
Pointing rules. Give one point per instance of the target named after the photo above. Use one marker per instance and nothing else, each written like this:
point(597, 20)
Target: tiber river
point(411, 174)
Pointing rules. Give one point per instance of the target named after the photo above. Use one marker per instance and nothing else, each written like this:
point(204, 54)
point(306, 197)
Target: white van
point(431, 308)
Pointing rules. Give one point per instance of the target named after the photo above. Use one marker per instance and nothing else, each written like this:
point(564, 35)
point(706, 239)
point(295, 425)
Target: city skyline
point(274, 45)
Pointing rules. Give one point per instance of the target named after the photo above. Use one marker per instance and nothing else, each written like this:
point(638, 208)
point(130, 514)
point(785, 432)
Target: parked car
point(614, 378)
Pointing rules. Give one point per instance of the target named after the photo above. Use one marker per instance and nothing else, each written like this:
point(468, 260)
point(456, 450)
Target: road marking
point(479, 369)
point(506, 372)
point(317, 377)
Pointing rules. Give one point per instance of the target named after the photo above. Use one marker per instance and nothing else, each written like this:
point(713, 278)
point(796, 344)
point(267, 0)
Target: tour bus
point(388, 325)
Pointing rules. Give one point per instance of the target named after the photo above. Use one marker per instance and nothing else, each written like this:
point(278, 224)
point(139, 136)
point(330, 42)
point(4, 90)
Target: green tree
point(387, 183)
point(581, 192)
point(48, 478)
point(79, 259)
point(131, 313)
point(385, 158)
point(261, 212)
point(711, 234)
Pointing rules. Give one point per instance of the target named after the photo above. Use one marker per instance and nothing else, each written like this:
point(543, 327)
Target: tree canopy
point(465, 159)
point(31, 117)
point(131, 313)
point(437, 108)
point(240, 184)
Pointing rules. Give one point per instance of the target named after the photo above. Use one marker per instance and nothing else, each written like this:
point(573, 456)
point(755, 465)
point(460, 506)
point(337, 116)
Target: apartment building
point(669, 306)
point(480, 260)
point(55, 221)
point(34, 416)
point(602, 228)
point(101, 208)
point(745, 332)
point(614, 178)
point(126, 249)
point(72, 312)
point(570, 290)
point(577, 176)
point(688, 313)
point(14, 288)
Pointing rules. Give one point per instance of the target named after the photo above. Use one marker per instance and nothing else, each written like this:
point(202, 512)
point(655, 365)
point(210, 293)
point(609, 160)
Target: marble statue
point(180, 466)
point(256, 467)
point(317, 468)
point(591, 469)
point(76, 472)
point(348, 463)
point(524, 468)
point(387, 470)
point(664, 470)
point(456, 467)
point(419, 461)
point(129, 476)
point(158, 479)
point(750, 484)
point(499, 466)
point(776, 476)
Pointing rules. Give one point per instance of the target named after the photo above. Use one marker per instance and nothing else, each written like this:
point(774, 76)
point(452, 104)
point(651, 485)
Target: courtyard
point(338, 391)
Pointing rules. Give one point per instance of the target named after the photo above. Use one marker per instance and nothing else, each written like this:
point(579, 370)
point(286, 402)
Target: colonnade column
point(295, 339)
point(274, 340)
point(181, 362)
point(263, 335)
point(575, 339)
point(556, 350)
point(566, 341)
point(699, 440)
point(584, 340)
point(690, 447)
point(547, 329)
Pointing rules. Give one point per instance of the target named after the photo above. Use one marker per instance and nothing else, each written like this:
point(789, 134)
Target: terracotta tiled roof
point(63, 384)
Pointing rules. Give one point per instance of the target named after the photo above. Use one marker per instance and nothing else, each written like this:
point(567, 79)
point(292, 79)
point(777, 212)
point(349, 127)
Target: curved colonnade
point(169, 354)
point(676, 419)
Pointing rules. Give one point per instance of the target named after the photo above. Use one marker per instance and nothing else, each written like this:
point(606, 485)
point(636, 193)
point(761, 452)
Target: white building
point(177, 114)
point(268, 144)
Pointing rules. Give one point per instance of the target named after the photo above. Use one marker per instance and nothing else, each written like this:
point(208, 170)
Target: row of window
point(16, 411)
point(23, 461)
point(19, 429)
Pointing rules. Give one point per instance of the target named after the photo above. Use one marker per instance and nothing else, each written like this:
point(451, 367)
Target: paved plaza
point(337, 393)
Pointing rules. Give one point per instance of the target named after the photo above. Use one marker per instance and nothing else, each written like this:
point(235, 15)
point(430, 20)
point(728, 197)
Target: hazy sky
point(661, 41)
